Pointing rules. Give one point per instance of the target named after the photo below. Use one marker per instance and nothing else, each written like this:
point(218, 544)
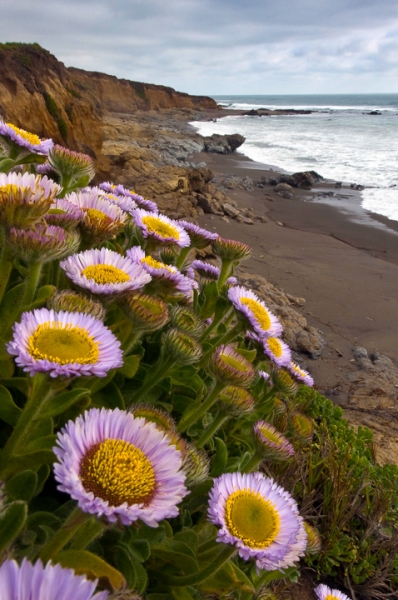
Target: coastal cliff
point(38, 93)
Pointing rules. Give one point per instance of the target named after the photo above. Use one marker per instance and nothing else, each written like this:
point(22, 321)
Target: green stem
point(153, 376)
point(5, 267)
point(182, 256)
point(216, 321)
point(72, 524)
point(229, 336)
point(41, 393)
point(31, 282)
point(194, 416)
point(211, 430)
point(224, 273)
point(253, 463)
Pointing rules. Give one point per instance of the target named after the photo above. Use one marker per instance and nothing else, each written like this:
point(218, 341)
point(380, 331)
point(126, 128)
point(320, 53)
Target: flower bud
point(230, 250)
point(230, 367)
point(74, 302)
point(270, 443)
point(181, 347)
point(147, 313)
point(196, 465)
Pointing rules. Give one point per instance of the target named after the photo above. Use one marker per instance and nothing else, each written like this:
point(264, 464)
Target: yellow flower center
point(259, 312)
point(97, 216)
point(104, 274)
point(151, 262)
point(63, 344)
point(331, 597)
point(275, 346)
point(272, 437)
point(252, 518)
point(11, 191)
point(30, 137)
point(117, 472)
point(161, 228)
point(297, 370)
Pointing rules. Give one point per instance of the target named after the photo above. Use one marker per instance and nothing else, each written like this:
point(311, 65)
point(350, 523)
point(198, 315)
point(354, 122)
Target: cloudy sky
point(220, 46)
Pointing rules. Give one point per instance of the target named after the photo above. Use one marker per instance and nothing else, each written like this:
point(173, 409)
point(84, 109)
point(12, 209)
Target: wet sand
point(342, 259)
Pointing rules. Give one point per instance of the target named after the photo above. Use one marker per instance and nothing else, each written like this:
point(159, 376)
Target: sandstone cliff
point(38, 93)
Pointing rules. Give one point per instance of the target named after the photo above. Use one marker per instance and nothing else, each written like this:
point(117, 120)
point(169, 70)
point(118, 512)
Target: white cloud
point(219, 46)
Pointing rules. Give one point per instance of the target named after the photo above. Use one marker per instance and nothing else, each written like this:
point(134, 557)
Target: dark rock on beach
point(223, 144)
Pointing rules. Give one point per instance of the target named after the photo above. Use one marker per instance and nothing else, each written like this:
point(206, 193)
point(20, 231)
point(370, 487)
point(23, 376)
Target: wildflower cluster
point(145, 396)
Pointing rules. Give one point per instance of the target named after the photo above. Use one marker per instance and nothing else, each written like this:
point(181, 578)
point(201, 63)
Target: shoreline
point(339, 257)
point(355, 210)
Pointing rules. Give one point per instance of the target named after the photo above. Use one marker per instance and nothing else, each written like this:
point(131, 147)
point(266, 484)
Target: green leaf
point(130, 366)
point(21, 486)
point(46, 442)
point(7, 368)
point(133, 571)
point(10, 307)
point(249, 355)
point(178, 554)
point(9, 411)
point(219, 461)
point(189, 537)
point(86, 563)
point(19, 383)
point(109, 397)
point(181, 593)
point(28, 461)
point(44, 294)
point(63, 401)
point(225, 579)
point(139, 550)
point(11, 522)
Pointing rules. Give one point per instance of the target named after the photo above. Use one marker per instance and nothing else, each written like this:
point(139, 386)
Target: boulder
point(284, 190)
point(223, 144)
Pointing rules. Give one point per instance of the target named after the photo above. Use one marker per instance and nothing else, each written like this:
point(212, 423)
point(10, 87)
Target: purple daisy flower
point(52, 582)
point(164, 277)
point(263, 321)
point(160, 228)
point(24, 199)
point(204, 269)
point(120, 190)
point(259, 517)
point(119, 466)
point(64, 343)
point(271, 442)
point(104, 271)
point(300, 374)
point(326, 593)
point(200, 238)
point(278, 351)
point(64, 213)
point(264, 375)
point(13, 135)
point(102, 219)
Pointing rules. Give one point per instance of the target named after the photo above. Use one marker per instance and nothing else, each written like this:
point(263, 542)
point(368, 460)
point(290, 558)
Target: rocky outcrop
point(302, 179)
point(267, 112)
point(38, 93)
point(373, 401)
point(223, 144)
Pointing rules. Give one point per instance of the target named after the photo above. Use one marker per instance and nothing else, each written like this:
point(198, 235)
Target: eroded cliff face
point(38, 93)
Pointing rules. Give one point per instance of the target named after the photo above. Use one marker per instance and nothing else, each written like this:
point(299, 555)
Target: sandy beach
point(342, 259)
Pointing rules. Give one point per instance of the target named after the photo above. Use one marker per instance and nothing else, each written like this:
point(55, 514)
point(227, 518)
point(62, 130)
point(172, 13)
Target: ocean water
point(339, 139)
